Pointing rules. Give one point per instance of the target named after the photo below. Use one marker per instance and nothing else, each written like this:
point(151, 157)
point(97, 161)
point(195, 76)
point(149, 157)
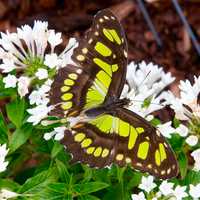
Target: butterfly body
point(103, 131)
point(108, 107)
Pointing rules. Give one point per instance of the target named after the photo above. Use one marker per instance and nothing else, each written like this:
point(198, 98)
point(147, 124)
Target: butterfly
point(102, 130)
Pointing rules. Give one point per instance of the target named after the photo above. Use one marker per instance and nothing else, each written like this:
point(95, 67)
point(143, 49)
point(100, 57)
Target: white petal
point(23, 84)
point(182, 130)
point(41, 73)
point(48, 136)
point(195, 191)
point(10, 81)
point(52, 60)
point(192, 140)
point(166, 129)
point(6, 194)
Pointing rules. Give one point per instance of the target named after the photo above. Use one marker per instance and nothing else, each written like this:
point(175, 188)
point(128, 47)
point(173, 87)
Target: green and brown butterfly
point(102, 131)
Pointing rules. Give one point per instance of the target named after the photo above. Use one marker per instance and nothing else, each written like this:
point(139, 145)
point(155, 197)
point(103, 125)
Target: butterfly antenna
point(137, 87)
point(150, 97)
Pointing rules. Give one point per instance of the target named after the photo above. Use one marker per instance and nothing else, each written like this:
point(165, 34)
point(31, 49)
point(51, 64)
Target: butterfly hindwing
point(122, 138)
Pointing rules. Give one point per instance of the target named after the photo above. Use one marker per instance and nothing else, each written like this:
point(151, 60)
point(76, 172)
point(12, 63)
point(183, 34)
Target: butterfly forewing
point(103, 53)
point(67, 91)
point(101, 59)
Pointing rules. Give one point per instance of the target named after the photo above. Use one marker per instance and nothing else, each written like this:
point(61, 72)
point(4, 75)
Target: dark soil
point(74, 17)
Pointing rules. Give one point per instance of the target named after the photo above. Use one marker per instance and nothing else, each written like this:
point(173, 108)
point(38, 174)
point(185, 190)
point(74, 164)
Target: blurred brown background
point(72, 17)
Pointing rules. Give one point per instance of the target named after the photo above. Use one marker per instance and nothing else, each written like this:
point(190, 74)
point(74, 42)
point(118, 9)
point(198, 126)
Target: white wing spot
point(84, 50)
point(125, 54)
point(128, 160)
point(79, 71)
point(149, 166)
point(158, 133)
point(163, 172)
point(90, 41)
point(168, 171)
point(80, 58)
point(139, 164)
point(106, 17)
point(101, 20)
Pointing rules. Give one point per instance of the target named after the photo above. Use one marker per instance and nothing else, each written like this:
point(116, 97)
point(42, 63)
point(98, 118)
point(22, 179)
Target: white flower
point(54, 38)
point(23, 84)
point(179, 192)
point(52, 60)
point(41, 73)
point(147, 184)
point(38, 113)
point(3, 153)
point(139, 196)
point(40, 96)
point(58, 133)
point(182, 130)
point(195, 191)
point(30, 48)
point(67, 52)
point(7, 65)
point(6, 194)
point(166, 188)
point(166, 129)
point(10, 81)
point(189, 97)
point(192, 140)
point(196, 156)
point(146, 82)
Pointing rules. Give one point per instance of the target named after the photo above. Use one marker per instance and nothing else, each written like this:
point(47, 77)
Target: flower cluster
point(166, 190)
point(145, 85)
point(31, 52)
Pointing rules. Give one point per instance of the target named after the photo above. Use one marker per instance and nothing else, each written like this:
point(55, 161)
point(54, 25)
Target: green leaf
point(15, 111)
point(55, 191)
point(176, 122)
point(63, 172)
point(87, 176)
point(20, 136)
point(114, 192)
point(87, 188)
point(3, 130)
point(57, 147)
point(88, 197)
point(40, 181)
point(9, 184)
point(155, 122)
point(135, 180)
point(176, 142)
point(183, 164)
point(147, 102)
point(192, 177)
